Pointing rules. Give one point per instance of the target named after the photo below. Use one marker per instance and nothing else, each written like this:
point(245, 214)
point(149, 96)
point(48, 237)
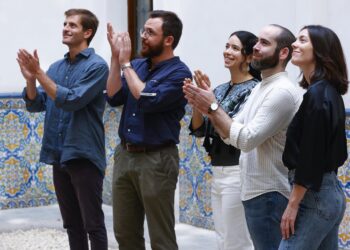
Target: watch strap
point(126, 65)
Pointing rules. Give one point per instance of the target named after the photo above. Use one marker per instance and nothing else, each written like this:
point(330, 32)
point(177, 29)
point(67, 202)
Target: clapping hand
point(125, 48)
point(120, 44)
point(114, 39)
point(29, 64)
point(201, 79)
point(199, 98)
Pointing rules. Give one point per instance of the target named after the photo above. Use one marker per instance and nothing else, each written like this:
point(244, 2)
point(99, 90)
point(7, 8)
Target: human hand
point(288, 221)
point(125, 49)
point(187, 81)
point(113, 40)
point(197, 97)
point(29, 64)
point(201, 79)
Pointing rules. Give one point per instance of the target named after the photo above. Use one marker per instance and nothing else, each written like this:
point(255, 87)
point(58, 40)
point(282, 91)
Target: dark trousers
point(144, 184)
point(79, 194)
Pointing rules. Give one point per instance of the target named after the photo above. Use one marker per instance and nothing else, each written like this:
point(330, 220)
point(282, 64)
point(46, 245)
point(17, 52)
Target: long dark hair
point(330, 62)
point(248, 41)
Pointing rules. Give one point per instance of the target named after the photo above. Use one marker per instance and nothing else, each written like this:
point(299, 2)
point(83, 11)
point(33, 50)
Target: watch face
point(214, 106)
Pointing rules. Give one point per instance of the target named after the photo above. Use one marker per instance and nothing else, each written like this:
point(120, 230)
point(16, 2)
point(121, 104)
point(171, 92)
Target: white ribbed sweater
point(260, 132)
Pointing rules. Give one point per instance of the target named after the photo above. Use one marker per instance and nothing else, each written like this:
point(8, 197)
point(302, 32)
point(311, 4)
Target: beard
point(267, 62)
point(153, 51)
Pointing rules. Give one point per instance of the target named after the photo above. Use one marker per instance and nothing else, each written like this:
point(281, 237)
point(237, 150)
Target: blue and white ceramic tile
point(26, 182)
point(195, 181)
point(23, 180)
point(344, 177)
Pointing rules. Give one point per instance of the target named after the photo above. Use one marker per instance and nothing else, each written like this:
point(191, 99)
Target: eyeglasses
point(146, 33)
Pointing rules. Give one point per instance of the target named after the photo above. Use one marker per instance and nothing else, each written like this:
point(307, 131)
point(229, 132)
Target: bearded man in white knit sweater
point(260, 132)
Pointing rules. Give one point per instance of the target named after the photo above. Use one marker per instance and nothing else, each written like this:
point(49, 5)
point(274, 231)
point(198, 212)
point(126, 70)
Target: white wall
point(37, 24)
point(207, 25)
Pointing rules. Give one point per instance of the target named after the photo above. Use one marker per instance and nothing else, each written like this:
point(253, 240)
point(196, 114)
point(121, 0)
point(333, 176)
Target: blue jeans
point(319, 216)
point(263, 215)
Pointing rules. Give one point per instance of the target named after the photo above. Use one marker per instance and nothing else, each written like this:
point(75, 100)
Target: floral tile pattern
point(24, 182)
point(194, 179)
point(195, 182)
point(344, 177)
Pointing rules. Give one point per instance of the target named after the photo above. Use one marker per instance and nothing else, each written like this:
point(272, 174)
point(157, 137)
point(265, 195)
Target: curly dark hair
point(330, 62)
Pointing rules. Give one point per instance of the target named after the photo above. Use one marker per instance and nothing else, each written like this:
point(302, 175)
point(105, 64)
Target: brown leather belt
point(134, 148)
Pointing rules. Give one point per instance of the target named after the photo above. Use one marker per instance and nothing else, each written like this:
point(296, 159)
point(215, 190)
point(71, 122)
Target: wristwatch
point(126, 65)
point(213, 107)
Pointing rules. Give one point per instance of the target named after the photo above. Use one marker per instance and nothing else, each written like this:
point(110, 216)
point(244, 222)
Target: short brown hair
point(87, 18)
point(172, 25)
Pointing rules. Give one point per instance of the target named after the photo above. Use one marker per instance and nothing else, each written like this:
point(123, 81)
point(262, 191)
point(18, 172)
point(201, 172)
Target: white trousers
point(228, 212)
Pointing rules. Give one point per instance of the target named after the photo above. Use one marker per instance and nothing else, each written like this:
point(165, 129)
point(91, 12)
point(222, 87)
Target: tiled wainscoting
point(195, 181)
point(26, 182)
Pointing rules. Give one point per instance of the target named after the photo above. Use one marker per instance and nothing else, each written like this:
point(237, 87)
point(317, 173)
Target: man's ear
point(284, 52)
point(87, 33)
point(168, 41)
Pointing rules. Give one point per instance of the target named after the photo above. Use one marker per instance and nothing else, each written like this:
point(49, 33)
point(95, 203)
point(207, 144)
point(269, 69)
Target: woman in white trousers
point(228, 211)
